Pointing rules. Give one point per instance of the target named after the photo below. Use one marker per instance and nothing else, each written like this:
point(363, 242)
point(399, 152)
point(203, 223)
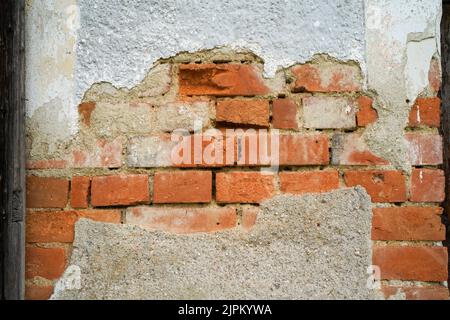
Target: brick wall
point(123, 172)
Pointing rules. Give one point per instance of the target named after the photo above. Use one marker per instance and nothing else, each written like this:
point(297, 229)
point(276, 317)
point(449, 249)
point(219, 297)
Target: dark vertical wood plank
point(12, 158)
point(445, 96)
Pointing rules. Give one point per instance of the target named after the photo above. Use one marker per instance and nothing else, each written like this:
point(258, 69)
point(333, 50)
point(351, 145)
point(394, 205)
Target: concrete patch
point(315, 246)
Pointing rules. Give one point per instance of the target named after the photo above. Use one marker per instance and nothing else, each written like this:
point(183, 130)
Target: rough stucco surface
point(302, 247)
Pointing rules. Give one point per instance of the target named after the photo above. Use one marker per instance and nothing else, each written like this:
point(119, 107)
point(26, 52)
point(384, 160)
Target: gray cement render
point(302, 247)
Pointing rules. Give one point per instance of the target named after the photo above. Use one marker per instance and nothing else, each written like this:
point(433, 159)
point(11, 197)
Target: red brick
point(382, 186)
point(411, 263)
point(47, 192)
point(183, 220)
point(351, 149)
point(119, 190)
point(79, 192)
point(425, 112)
point(104, 154)
point(46, 164)
point(244, 187)
point(309, 181)
point(182, 187)
point(249, 217)
point(253, 147)
point(327, 77)
point(417, 293)
point(425, 149)
point(284, 114)
point(247, 112)
point(46, 227)
point(38, 292)
point(221, 80)
point(434, 75)
point(304, 149)
point(366, 113)
point(427, 185)
point(48, 263)
point(408, 223)
point(85, 110)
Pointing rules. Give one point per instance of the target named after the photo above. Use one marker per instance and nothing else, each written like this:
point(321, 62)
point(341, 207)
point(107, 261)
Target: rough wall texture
point(356, 104)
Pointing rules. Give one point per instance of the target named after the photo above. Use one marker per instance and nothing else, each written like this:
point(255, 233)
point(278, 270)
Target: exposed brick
point(182, 187)
point(424, 149)
point(104, 154)
point(85, 110)
point(408, 223)
point(221, 80)
point(247, 112)
point(329, 112)
point(304, 149)
point(79, 192)
point(351, 149)
point(45, 227)
point(183, 220)
point(46, 164)
point(427, 185)
point(244, 187)
point(382, 186)
point(366, 113)
point(417, 293)
point(309, 181)
point(327, 77)
point(48, 263)
point(435, 75)
point(249, 217)
point(411, 263)
point(253, 147)
point(119, 190)
point(181, 115)
point(150, 151)
point(38, 292)
point(425, 112)
point(284, 114)
point(47, 192)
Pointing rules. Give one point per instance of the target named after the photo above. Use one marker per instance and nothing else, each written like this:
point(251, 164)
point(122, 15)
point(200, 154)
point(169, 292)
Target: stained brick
point(408, 223)
point(104, 154)
point(119, 190)
point(46, 164)
point(304, 149)
point(366, 113)
point(284, 114)
point(425, 149)
point(382, 186)
point(38, 292)
point(411, 263)
point(182, 187)
point(329, 112)
point(183, 220)
point(47, 192)
point(351, 149)
point(425, 112)
point(85, 110)
point(48, 263)
point(427, 185)
point(417, 293)
point(247, 112)
point(249, 217)
point(244, 187)
point(309, 181)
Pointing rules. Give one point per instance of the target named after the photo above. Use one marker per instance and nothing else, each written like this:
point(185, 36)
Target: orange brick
point(408, 223)
point(382, 186)
point(47, 192)
point(79, 192)
point(244, 187)
point(183, 220)
point(37, 292)
point(411, 263)
point(417, 293)
point(120, 190)
point(85, 110)
point(351, 149)
point(425, 112)
point(309, 181)
point(304, 149)
point(327, 77)
point(435, 75)
point(427, 185)
point(366, 113)
point(247, 112)
point(48, 263)
point(284, 114)
point(424, 149)
point(182, 187)
point(45, 227)
point(221, 80)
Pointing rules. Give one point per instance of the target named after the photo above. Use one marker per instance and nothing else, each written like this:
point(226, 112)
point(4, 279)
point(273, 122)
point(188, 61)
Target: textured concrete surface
point(302, 247)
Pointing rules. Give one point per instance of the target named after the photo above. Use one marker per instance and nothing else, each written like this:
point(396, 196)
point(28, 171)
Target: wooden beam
point(12, 157)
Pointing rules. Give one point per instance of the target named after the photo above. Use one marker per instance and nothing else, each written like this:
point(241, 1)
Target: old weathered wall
point(347, 92)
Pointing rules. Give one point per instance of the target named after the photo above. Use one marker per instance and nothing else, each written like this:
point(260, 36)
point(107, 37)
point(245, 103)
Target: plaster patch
point(314, 246)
